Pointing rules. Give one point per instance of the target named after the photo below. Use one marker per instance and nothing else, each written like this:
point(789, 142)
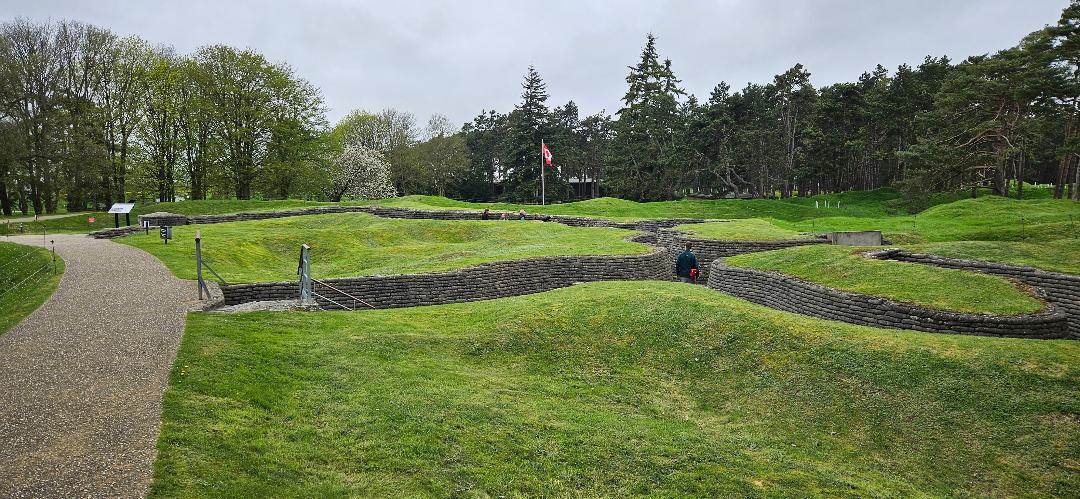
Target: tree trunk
point(1076, 181)
point(5, 200)
point(1001, 188)
point(1020, 176)
point(1063, 165)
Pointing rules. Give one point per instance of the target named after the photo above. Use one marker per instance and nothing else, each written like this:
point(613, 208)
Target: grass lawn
point(611, 389)
point(79, 223)
point(987, 218)
point(1062, 255)
point(355, 244)
point(30, 269)
point(70, 224)
point(224, 206)
point(876, 203)
point(945, 289)
point(747, 229)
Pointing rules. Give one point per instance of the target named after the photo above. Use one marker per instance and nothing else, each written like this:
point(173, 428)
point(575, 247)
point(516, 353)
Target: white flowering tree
point(359, 172)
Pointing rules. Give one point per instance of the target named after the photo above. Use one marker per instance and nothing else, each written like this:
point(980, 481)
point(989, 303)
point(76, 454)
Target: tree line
point(88, 118)
point(990, 121)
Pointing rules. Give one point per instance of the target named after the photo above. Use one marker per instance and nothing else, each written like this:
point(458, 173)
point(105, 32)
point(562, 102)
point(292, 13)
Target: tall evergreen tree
point(527, 126)
point(644, 158)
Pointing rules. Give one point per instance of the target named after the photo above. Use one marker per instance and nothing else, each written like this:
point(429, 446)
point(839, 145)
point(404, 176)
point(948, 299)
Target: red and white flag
point(546, 152)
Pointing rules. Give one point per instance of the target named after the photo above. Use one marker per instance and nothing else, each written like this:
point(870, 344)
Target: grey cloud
point(457, 58)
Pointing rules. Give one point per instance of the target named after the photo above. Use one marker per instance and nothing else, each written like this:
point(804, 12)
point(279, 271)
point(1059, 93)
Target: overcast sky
point(457, 58)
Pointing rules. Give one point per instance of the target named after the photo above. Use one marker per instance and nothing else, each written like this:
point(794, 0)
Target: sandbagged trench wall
point(708, 250)
point(791, 294)
point(1060, 290)
point(164, 219)
point(481, 282)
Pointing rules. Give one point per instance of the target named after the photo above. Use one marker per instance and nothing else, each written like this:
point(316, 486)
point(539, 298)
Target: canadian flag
point(546, 152)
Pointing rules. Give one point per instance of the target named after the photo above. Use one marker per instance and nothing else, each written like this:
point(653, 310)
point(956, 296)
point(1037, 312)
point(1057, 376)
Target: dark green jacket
point(686, 261)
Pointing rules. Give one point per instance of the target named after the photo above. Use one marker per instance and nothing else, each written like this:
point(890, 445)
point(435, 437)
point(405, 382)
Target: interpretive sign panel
point(121, 207)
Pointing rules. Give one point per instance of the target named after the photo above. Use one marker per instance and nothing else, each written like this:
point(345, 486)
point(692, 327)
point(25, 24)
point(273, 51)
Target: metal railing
point(309, 297)
point(354, 299)
point(201, 262)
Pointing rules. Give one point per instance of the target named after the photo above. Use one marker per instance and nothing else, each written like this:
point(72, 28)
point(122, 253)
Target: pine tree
point(528, 123)
point(644, 161)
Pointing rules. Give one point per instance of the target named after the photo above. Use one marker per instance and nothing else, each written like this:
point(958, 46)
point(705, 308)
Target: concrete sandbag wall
point(788, 293)
point(481, 282)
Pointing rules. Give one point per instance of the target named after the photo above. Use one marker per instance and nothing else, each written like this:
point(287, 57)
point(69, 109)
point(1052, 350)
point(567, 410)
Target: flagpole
point(543, 186)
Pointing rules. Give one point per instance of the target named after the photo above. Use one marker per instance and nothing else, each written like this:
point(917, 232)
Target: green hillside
point(27, 279)
point(355, 244)
point(611, 389)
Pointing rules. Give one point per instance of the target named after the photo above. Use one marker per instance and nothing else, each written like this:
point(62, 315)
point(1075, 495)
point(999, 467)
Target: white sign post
point(117, 209)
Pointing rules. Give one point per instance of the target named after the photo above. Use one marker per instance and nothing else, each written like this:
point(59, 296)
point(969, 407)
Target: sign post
point(198, 263)
point(166, 233)
point(117, 209)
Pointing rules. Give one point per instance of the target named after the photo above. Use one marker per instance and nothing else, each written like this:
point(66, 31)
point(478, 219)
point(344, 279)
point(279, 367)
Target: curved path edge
point(82, 377)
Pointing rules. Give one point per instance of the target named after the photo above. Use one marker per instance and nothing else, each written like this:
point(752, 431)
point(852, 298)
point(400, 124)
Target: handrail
point(212, 271)
point(344, 293)
point(329, 300)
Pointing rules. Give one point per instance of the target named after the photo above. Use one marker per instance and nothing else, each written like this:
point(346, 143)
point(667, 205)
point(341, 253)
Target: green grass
point(1062, 255)
point(356, 244)
point(855, 203)
point(611, 389)
point(73, 224)
point(26, 281)
point(748, 229)
point(78, 223)
point(987, 218)
point(945, 289)
point(225, 206)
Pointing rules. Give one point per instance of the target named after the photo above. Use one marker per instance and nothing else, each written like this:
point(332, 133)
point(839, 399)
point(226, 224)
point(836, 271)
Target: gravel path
point(81, 379)
point(32, 218)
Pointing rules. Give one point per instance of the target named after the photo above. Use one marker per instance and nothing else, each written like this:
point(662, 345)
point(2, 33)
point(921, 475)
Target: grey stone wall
point(856, 238)
point(480, 282)
point(788, 293)
point(115, 232)
point(1062, 290)
point(708, 250)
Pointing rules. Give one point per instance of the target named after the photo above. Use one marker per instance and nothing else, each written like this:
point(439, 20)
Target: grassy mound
point(748, 229)
point(856, 203)
point(26, 281)
point(356, 244)
point(841, 267)
point(1062, 255)
point(79, 223)
point(987, 218)
point(611, 389)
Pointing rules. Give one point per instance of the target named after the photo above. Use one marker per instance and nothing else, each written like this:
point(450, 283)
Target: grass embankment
point(356, 244)
point(876, 203)
point(841, 267)
point(1062, 255)
point(984, 219)
point(79, 223)
point(26, 281)
point(747, 229)
point(611, 389)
